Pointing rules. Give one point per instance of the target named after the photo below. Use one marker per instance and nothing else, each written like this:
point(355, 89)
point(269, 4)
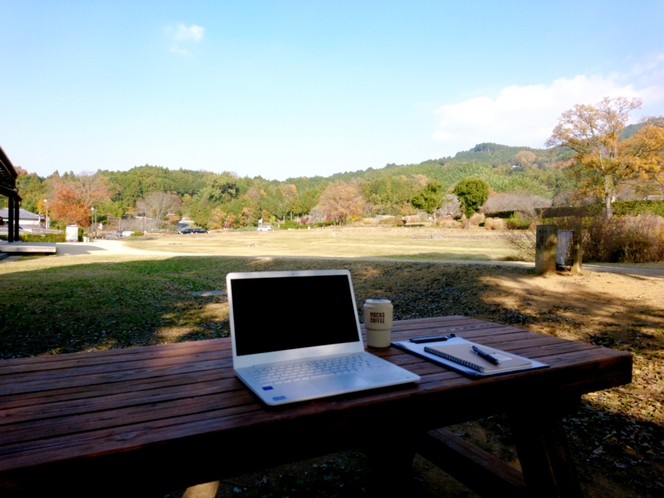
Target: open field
point(369, 242)
point(84, 302)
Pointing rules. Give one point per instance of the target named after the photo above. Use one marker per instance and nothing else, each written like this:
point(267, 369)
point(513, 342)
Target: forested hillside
point(226, 200)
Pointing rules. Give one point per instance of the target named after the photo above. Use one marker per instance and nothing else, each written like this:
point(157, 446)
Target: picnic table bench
point(158, 418)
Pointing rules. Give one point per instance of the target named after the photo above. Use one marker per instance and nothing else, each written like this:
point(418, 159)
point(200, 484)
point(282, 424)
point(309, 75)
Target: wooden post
point(545, 249)
point(577, 249)
point(10, 221)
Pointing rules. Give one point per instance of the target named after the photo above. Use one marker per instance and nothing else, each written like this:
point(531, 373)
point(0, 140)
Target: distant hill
point(631, 130)
point(504, 155)
point(505, 168)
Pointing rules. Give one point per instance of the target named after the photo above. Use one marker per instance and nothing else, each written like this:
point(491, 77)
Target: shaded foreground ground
point(55, 305)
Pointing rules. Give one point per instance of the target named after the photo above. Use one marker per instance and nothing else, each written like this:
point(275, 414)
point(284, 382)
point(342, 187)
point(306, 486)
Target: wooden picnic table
point(156, 418)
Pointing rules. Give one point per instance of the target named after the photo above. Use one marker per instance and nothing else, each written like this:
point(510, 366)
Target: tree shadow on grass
point(442, 256)
point(92, 306)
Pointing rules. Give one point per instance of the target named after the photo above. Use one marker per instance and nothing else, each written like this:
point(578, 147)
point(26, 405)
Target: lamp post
point(46, 209)
point(94, 223)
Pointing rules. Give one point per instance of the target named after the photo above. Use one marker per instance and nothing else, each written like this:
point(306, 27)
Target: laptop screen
point(281, 313)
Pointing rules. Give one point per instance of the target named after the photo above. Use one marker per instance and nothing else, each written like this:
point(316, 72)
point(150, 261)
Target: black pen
point(431, 338)
point(486, 355)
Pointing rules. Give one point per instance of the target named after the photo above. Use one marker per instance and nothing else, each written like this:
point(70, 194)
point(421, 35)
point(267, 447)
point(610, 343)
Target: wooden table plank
point(159, 405)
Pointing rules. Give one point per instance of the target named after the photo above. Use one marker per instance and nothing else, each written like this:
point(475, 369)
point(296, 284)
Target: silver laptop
point(310, 346)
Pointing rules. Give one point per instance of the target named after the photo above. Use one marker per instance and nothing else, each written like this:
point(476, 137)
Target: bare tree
point(157, 205)
point(449, 206)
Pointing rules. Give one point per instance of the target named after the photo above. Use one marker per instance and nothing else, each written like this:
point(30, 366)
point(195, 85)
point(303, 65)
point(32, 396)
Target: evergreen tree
point(472, 193)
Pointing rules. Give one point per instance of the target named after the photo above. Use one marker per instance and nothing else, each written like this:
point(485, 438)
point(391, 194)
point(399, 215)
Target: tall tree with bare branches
point(157, 205)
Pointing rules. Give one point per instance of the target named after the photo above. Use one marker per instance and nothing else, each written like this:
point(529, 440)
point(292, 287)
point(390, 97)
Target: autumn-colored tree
point(602, 162)
point(291, 202)
point(524, 158)
point(217, 218)
point(646, 148)
point(76, 194)
point(341, 201)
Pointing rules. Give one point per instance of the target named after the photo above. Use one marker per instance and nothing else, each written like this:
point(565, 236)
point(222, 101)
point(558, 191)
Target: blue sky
point(293, 88)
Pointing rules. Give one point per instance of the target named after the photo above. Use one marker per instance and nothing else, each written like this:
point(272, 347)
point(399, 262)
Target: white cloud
point(185, 35)
point(526, 115)
point(179, 50)
point(193, 32)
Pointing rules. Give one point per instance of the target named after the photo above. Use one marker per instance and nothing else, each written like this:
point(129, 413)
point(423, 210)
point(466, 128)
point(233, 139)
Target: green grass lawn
point(63, 304)
point(361, 242)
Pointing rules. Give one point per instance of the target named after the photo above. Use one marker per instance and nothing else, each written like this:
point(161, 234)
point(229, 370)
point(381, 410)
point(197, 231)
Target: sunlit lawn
point(365, 242)
point(61, 304)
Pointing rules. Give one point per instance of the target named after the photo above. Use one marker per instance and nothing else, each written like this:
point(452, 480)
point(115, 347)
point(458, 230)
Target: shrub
point(476, 219)
point(518, 222)
point(628, 239)
point(522, 242)
point(291, 225)
point(450, 223)
point(633, 239)
point(494, 224)
point(388, 220)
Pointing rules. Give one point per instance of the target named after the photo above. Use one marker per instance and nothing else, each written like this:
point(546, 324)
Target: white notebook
point(457, 354)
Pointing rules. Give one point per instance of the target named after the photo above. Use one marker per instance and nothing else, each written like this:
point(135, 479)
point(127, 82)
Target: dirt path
point(103, 247)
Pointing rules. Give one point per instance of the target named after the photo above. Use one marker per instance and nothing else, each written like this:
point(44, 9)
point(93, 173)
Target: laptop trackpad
point(323, 386)
point(348, 381)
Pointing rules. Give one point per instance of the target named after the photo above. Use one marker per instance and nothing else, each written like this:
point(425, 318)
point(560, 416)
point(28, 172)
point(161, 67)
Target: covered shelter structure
point(8, 188)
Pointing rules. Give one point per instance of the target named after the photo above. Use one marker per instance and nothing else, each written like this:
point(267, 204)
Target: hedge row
point(30, 237)
point(620, 208)
point(501, 214)
point(624, 208)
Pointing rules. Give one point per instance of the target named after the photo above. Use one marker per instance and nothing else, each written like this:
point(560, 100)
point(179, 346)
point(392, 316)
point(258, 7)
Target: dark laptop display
point(313, 311)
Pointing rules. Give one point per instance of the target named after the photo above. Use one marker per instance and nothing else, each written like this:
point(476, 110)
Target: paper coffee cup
point(378, 322)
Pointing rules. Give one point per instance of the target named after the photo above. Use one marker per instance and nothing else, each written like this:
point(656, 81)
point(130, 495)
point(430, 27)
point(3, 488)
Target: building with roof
point(26, 220)
point(8, 176)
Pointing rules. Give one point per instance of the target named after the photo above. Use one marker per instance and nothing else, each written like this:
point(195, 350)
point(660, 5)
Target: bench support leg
point(546, 461)
point(391, 464)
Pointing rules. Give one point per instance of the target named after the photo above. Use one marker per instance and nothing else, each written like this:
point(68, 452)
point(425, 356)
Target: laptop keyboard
point(309, 369)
